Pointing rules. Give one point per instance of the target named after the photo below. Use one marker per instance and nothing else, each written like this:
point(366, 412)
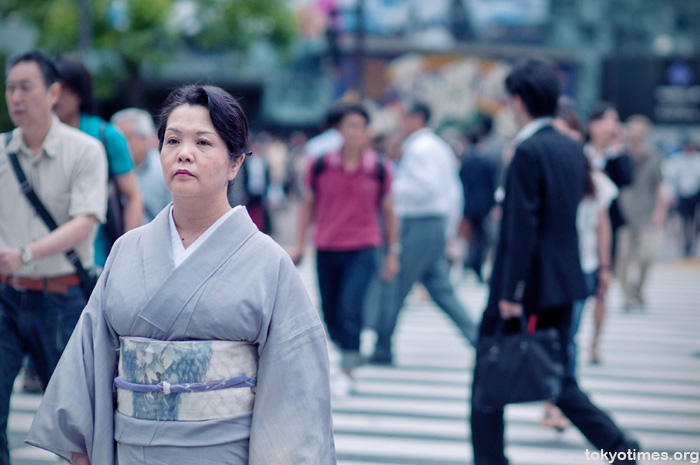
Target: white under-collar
point(530, 129)
point(180, 253)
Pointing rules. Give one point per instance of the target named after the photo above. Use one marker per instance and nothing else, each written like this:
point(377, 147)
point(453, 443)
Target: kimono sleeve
point(292, 414)
point(77, 411)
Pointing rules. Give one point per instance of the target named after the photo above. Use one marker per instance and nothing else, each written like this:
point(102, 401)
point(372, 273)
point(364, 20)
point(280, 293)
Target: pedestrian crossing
point(416, 412)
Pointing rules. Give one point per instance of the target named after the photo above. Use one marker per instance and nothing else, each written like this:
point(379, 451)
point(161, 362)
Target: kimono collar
point(224, 241)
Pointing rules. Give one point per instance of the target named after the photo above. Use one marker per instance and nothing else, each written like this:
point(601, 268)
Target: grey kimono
point(239, 285)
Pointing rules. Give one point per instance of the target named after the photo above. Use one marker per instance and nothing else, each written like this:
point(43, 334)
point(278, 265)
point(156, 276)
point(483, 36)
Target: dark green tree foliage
point(129, 33)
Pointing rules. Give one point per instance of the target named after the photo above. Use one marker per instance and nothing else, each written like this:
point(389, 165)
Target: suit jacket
point(537, 259)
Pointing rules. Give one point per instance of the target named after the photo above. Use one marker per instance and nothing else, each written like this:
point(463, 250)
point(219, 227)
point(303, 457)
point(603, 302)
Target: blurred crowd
point(349, 183)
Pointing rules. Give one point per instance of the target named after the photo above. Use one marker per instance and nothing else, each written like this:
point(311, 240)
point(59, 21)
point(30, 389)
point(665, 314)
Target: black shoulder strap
point(41, 210)
point(381, 175)
point(319, 166)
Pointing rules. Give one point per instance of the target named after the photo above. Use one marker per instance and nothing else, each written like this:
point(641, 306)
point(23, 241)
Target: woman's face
point(194, 157)
point(605, 129)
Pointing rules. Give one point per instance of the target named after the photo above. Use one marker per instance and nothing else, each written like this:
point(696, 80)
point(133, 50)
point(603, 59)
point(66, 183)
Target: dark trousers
point(488, 426)
point(38, 323)
point(343, 279)
point(478, 245)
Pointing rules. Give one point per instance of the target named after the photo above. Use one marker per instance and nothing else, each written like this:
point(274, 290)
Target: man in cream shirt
point(40, 295)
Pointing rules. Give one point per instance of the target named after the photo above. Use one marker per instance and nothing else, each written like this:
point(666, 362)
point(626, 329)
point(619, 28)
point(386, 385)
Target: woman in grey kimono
point(199, 343)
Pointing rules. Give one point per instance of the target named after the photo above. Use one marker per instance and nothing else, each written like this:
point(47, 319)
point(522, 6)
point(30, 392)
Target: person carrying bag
point(524, 366)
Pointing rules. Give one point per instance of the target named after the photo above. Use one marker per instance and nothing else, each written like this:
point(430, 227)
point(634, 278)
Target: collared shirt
point(530, 129)
point(330, 140)
point(347, 202)
point(427, 181)
point(70, 177)
point(684, 174)
point(154, 194)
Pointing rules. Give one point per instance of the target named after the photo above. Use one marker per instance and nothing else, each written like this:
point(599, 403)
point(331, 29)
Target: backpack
point(380, 173)
point(114, 224)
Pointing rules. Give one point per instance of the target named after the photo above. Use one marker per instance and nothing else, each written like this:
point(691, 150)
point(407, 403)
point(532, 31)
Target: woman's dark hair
point(597, 112)
point(537, 85)
point(420, 109)
point(46, 67)
point(225, 112)
point(355, 109)
point(75, 76)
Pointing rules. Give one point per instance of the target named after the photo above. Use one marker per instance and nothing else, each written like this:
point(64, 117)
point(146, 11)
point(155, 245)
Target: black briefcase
point(517, 367)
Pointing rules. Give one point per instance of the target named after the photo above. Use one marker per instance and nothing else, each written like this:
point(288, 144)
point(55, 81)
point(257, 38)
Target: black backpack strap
point(381, 175)
point(316, 170)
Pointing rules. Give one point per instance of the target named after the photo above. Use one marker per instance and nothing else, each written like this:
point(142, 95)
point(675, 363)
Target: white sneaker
point(342, 385)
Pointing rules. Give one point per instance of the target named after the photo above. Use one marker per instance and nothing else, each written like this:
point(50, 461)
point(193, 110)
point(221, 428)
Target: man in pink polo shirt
point(345, 193)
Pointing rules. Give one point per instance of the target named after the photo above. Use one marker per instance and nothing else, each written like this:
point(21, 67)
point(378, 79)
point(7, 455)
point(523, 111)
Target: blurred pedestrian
point(75, 108)
point(537, 269)
point(428, 199)
point(605, 150)
point(200, 323)
point(347, 191)
point(330, 138)
point(140, 132)
point(254, 181)
point(40, 295)
point(478, 175)
point(643, 207)
point(594, 238)
point(684, 180)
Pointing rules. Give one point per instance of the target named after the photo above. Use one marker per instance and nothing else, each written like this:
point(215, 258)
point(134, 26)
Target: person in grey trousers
point(428, 201)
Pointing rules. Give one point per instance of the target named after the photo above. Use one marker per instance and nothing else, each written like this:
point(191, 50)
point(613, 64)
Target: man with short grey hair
point(138, 128)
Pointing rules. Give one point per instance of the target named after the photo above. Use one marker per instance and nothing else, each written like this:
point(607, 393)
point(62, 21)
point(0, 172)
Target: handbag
point(525, 366)
point(88, 277)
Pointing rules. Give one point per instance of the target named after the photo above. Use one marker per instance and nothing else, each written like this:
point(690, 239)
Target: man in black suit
point(537, 269)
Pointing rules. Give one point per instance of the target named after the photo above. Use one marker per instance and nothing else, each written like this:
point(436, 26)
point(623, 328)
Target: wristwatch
point(26, 255)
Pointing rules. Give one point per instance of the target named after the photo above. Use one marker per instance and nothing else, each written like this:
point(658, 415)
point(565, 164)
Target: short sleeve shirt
point(118, 162)
point(347, 202)
point(70, 177)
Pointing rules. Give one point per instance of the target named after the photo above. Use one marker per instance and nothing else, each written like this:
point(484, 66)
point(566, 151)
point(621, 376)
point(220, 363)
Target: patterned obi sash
point(185, 380)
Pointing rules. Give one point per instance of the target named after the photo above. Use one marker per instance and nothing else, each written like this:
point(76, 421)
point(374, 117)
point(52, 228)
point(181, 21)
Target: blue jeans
point(38, 323)
point(422, 260)
point(343, 279)
point(576, 313)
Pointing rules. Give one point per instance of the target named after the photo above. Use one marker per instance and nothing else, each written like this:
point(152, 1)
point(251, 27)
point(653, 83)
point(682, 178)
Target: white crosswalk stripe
point(416, 412)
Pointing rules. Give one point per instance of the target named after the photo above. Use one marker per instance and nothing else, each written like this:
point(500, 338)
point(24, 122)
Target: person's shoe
point(377, 359)
point(342, 385)
point(31, 384)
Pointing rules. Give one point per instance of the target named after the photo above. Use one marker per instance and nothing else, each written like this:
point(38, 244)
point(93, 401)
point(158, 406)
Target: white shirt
point(587, 219)
point(684, 174)
point(530, 129)
point(180, 253)
point(330, 140)
point(427, 182)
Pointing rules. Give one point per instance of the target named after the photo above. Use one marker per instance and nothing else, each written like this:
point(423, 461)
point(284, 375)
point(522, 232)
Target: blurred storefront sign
point(446, 21)
point(667, 90)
